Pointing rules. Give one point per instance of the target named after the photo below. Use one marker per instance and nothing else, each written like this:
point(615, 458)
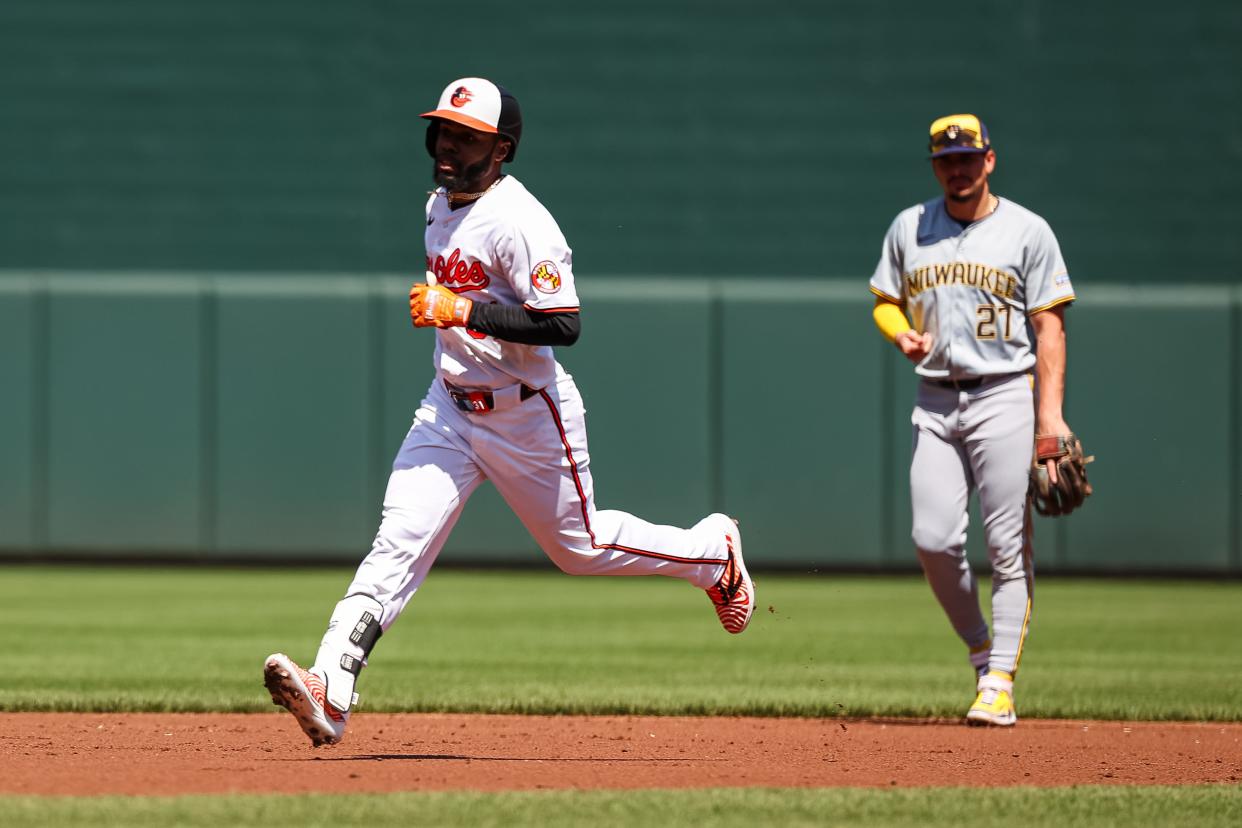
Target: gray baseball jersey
point(972, 288)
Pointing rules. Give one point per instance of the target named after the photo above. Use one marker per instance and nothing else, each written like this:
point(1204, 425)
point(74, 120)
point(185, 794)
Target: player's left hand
point(438, 307)
point(1049, 425)
point(1058, 480)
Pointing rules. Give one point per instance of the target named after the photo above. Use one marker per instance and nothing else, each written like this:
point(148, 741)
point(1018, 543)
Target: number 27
point(987, 314)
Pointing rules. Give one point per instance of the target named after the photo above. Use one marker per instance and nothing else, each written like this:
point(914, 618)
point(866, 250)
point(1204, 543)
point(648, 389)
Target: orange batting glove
point(438, 307)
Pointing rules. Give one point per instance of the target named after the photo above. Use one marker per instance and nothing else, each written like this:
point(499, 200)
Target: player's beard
point(466, 180)
point(963, 196)
point(972, 191)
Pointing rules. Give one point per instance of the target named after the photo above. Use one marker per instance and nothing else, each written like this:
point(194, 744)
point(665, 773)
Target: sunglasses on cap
point(958, 133)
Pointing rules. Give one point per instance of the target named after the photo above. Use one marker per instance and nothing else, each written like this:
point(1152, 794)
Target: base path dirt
point(158, 753)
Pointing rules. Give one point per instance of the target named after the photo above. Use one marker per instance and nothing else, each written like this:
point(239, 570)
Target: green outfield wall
point(726, 137)
point(212, 417)
point(198, 358)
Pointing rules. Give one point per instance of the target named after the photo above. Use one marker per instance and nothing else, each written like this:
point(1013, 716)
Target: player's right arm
point(514, 323)
point(892, 322)
point(889, 318)
point(438, 307)
point(886, 284)
point(538, 264)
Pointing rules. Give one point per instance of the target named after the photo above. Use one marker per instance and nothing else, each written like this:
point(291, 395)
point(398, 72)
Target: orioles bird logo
point(461, 96)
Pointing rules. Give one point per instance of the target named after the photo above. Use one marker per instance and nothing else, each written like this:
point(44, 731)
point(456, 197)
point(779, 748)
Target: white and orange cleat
point(304, 694)
point(734, 594)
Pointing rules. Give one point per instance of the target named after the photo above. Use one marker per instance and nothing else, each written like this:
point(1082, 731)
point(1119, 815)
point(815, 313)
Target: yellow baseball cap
point(958, 133)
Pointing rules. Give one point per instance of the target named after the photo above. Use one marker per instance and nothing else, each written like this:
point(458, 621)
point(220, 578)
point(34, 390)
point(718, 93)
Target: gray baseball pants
point(967, 441)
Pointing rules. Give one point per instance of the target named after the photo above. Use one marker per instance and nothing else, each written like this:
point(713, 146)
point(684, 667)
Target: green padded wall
point(295, 393)
point(706, 137)
point(799, 369)
point(1234, 371)
point(125, 415)
point(23, 391)
point(644, 372)
point(207, 416)
point(1162, 409)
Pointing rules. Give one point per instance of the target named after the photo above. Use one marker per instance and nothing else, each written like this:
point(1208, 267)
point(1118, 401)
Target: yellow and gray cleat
point(994, 704)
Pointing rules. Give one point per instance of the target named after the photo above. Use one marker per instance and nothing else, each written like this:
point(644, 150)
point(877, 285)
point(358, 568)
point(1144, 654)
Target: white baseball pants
point(535, 453)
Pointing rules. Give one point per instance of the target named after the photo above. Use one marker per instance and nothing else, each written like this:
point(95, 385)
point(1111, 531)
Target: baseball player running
point(499, 294)
point(985, 287)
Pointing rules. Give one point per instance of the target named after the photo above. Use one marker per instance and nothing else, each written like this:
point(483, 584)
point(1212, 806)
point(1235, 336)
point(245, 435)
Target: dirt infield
point(85, 754)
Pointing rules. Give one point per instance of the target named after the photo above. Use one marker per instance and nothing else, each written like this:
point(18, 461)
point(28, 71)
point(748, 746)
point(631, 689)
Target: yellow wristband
point(889, 319)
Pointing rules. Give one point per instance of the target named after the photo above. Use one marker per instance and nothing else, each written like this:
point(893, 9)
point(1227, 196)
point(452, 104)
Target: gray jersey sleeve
point(1047, 277)
point(886, 282)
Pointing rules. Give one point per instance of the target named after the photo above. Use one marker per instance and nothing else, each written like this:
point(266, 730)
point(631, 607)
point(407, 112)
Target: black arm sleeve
point(514, 323)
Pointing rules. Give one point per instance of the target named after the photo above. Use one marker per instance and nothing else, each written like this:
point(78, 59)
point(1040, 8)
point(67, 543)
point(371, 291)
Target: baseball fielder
point(985, 287)
point(499, 294)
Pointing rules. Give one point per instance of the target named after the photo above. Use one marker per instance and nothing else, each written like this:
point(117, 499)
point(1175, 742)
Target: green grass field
point(130, 639)
point(1169, 807)
point(166, 639)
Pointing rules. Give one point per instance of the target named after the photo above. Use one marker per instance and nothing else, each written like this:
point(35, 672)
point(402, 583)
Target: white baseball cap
point(479, 104)
point(472, 102)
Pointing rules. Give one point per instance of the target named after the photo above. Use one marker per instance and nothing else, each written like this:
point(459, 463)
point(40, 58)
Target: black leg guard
point(352, 632)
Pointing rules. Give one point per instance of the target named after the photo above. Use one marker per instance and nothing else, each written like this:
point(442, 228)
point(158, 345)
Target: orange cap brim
point(457, 117)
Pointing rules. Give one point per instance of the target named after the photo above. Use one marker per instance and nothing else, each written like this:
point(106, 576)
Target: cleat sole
point(278, 682)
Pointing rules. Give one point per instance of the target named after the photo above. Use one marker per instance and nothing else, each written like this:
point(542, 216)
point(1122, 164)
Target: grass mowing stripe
point(1198, 806)
point(128, 639)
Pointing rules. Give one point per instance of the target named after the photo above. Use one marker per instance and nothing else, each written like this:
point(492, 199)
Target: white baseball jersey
point(972, 288)
point(529, 442)
point(506, 248)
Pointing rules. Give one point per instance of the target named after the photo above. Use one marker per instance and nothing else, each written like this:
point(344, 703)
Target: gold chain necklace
point(466, 198)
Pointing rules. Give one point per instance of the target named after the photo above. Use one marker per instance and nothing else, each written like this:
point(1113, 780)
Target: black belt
point(971, 383)
point(481, 402)
point(960, 384)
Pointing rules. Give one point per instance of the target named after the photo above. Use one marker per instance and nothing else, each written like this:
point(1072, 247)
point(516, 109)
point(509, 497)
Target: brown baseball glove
point(1071, 488)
